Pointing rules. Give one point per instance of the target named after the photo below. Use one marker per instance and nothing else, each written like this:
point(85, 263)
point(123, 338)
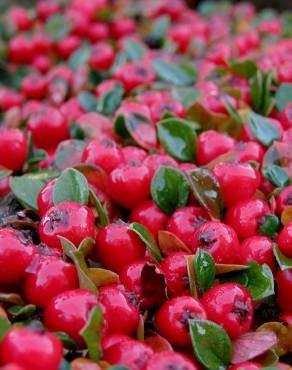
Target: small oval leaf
point(101, 277)
point(260, 281)
point(176, 74)
point(286, 216)
point(169, 243)
point(284, 262)
point(263, 129)
point(204, 267)
point(102, 214)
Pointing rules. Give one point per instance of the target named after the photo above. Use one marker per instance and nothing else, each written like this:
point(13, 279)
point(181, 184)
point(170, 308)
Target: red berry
point(284, 199)
point(218, 239)
point(130, 277)
point(48, 128)
point(122, 27)
point(133, 153)
point(231, 306)
point(129, 185)
point(284, 240)
point(20, 49)
point(45, 197)
point(161, 107)
point(31, 350)
point(13, 148)
point(242, 177)
point(112, 339)
point(150, 216)
point(117, 306)
point(34, 86)
point(172, 319)
point(246, 366)
point(154, 161)
point(116, 247)
point(16, 254)
point(286, 116)
point(68, 219)
point(211, 144)
point(20, 18)
point(105, 154)
point(45, 9)
point(245, 217)
point(101, 56)
point(9, 99)
point(98, 31)
point(51, 277)
point(250, 151)
point(68, 45)
point(69, 312)
point(284, 281)
point(169, 360)
point(175, 270)
point(132, 354)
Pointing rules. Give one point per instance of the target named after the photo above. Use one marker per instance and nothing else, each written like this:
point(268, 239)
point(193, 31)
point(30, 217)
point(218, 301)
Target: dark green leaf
point(57, 27)
point(103, 217)
point(204, 266)
point(38, 155)
point(91, 333)
point(246, 68)
point(26, 190)
point(283, 96)
point(134, 50)
point(147, 238)
point(260, 281)
point(270, 226)
point(4, 327)
point(66, 153)
point(79, 57)
point(263, 129)
point(4, 173)
point(233, 113)
point(180, 75)
point(235, 277)
point(169, 189)
point(76, 131)
point(284, 262)
point(87, 101)
point(260, 87)
point(71, 186)
point(68, 342)
point(211, 344)
point(27, 310)
point(207, 191)
point(178, 138)
point(286, 24)
point(186, 95)
point(159, 27)
point(110, 101)
point(277, 176)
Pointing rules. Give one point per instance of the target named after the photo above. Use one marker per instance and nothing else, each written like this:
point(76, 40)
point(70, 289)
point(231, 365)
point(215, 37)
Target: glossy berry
point(211, 144)
point(117, 306)
point(112, 339)
point(245, 217)
point(20, 49)
point(16, 254)
point(50, 277)
point(132, 354)
point(161, 107)
point(231, 306)
point(284, 240)
point(68, 45)
point(48, 128)
point(175, 270)
point(129, 185)
point(284, 283)
point(71, 220)
point(116, 247)
point(284, 199)
point(34, 86)
point(185, 221)
point(248, 365)
point(130, 277)
point(256, 248)
point(217, 239)
point(10, 98)
point(105, 154)
point(150, 216)
point(13, 149)
point(172, 319)
point(242, 177)
point(22, 346)
point(169, 360)
point(250, 151)
point(154, 161)
point(45, 197)
point(69, 312)
point(133, 153)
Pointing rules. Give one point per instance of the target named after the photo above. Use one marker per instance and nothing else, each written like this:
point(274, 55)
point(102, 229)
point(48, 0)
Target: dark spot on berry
point(24, 237)
point(140, 362)
point(107, 143)
point(207, 239)
point(186, 316)
point(197, 221)
point(141, 71)
point(289, 199)
point(175, 367)
point(241, 311)
point(59, 218)
point(153, 42)
point(132, 298)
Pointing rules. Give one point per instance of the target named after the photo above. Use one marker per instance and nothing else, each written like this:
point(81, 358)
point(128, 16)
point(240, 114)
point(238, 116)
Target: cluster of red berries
point(145, 186)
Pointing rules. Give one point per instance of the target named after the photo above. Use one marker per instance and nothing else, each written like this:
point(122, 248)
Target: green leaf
point(270, 226)
point(263, 129)
point(277, 176)
point(134, 50)
point(65, 153)
point(79, 57)
point(233, 113)
point(76, 131)
point(185, 95)
point(169, 189)
point(204, 267)
point(86, 246)
point(118, 367)
point(260, 87)
point(65, 365)
point(176, 74)
point(207, 191)
point(160, 27)
point(4, 172)
point(283, 96)
point(57, 27)
point(27, 310)
point(260, 281)
point(87, 101)
point(5, 325)
point(71, 186)
point(91, 333)
point(26, 190)
point(110, 101)
point(103, 217)
point(65, 338)
point(246, 68)
point(284, 262)
point(211, 344)
point(178, 138)
point(67, 246)
point(147, 238)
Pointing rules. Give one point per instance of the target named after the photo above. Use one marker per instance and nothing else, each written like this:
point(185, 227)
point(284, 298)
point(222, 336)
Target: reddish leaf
point(96, 126)
point(94, 175)
point(251, 345)
point(158, 344)
point(153, 286)
point(170, 243)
